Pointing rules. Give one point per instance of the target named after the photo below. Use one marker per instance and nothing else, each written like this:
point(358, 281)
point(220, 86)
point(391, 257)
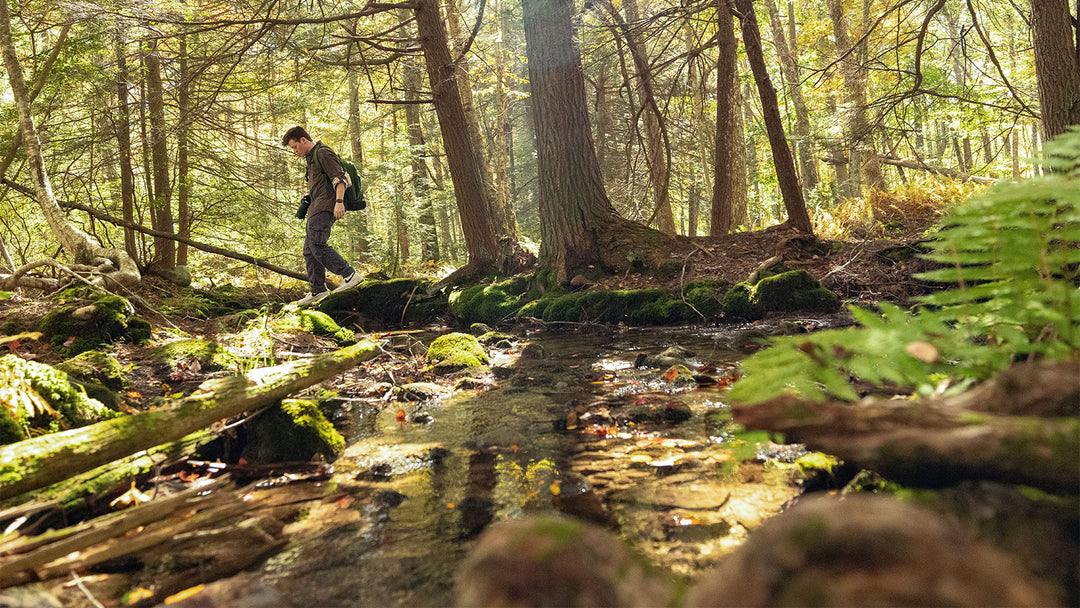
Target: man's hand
point(339, 210)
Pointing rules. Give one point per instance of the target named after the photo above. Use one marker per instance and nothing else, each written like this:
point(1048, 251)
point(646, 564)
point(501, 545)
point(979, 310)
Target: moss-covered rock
point(210, 355)
point(456, 350)
point(296, 430)
point(19, 376)
point(320, 324)
point(633, 306)
point(794, 290)
point(393, 301)
point(487, 303)
point(706, 297)
point(96, 366)
point(75, 329)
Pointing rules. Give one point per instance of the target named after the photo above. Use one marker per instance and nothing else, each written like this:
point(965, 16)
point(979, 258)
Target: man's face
point(299, 146)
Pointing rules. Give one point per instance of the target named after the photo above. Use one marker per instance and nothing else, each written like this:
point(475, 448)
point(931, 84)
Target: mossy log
point(42, 461)
point(929, 444)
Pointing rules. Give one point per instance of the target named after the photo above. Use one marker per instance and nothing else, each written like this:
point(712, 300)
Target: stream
point(646, 452)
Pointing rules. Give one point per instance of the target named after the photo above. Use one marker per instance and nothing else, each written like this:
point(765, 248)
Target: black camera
point(301, 211)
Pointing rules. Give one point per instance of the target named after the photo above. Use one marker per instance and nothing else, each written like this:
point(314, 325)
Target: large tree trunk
point(1057, 67)
point(798, 218)
point(578, 225)
point(461, 154)
point(39, 462)
point(123, 141)
point(729, 175)
point(358, 220)
point(183, 177)
point(75, 241)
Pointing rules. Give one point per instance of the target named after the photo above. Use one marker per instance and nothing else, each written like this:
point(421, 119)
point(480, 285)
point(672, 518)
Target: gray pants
point(318, 255)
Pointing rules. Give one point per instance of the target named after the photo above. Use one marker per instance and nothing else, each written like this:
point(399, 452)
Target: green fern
point(1012, 256)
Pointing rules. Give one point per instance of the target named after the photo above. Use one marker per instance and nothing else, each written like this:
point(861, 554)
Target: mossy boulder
point(320, 324)
point(75, 329)
point(11, 428)
point(456, 350)
point(98, 367)
point(706, 297)
point(632, 306)
point(207, 304)
point(19, 377)
point(393, 301)
point(488, 304)
point(793, 290)
point(295, 430)
point(210, 355)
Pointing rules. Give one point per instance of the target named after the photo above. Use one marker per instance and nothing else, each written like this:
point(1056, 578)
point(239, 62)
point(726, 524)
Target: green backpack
point(354, 198)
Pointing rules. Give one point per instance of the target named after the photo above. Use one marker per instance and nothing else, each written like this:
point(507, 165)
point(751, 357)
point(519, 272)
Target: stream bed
point(599, 427)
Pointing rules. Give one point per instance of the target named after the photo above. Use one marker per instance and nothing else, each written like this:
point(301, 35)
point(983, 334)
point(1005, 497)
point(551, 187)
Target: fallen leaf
point(130, 498)
point(137, 595)
point(923, 351)
point(555, 488)
point(183, 595)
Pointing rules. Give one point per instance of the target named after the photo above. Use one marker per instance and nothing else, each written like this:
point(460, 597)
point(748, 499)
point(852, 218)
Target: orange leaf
point(134, 395)
point(401, 416)
point(137, 595)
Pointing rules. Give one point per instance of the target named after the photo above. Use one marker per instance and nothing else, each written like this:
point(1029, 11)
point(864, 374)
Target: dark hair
point(296, 133)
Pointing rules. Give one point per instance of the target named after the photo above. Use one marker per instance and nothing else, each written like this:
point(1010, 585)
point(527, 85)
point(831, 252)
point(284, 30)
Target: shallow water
point(657, 462)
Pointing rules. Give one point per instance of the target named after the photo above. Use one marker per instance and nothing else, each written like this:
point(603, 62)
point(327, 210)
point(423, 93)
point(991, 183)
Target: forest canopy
point(169, 118)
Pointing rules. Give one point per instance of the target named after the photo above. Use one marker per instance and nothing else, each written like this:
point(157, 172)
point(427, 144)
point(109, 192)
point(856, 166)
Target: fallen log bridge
point(35, 463)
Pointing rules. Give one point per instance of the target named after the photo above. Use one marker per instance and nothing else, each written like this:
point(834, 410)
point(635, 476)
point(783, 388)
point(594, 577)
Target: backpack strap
point(318, 163)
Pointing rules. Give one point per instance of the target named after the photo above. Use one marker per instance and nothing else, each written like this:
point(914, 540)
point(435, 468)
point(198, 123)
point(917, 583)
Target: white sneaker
point(311, 298)
point(349, 283)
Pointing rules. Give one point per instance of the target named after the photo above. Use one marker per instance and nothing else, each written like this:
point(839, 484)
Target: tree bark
point(42, 461)
point(421, 183)
point(123, 142)
point(359, 220)
point(461, 154)
point(790, 70)
point(75, 241)
point(1057, 69)
point(941, 442)
point(183, 176)
point(729, 183)
point(798, 218)
point(161, 205)
point(578, 224)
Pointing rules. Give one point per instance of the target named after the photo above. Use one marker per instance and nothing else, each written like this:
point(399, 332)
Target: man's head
point(298, 140)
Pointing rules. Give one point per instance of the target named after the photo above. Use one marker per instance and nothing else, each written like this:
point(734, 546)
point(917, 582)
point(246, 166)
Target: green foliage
point(30, 381)
point(1013, 254)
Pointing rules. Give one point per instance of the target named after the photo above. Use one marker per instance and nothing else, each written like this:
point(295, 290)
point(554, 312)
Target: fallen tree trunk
point(42, 461)
point(94, 213)
point(918, 165)
point(928, 445)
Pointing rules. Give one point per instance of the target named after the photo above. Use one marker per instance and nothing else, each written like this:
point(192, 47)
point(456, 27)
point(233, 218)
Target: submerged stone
point(457, 350)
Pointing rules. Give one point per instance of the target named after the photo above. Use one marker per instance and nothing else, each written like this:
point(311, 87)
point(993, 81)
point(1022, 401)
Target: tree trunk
point(161, 216)
point(798, 218)
point(790, 69)
point(359, 220)
point(1057, 69)
point(578, 225)
point(461, 154)
point(75, 241)
point(656, 149)
point(39, 462)
point(728, 184)
point(183, 177)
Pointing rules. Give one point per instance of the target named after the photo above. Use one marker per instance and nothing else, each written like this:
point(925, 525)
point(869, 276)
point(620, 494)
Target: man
point(326, 188)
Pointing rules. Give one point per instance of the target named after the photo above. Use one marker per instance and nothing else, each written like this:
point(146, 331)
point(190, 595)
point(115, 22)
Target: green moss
point(11, 429)
point(54, 386)
point(89, 326)
point(485, 303)
point(737, 302)
point(295, 430)
point(456, 349)
point(492, 337)
point(209, 355)
point(392, 301)
point(320, 324)
point(816, 461)
point(5, 295)
point(96, 366)
point(706, 297)
point(794, 290)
